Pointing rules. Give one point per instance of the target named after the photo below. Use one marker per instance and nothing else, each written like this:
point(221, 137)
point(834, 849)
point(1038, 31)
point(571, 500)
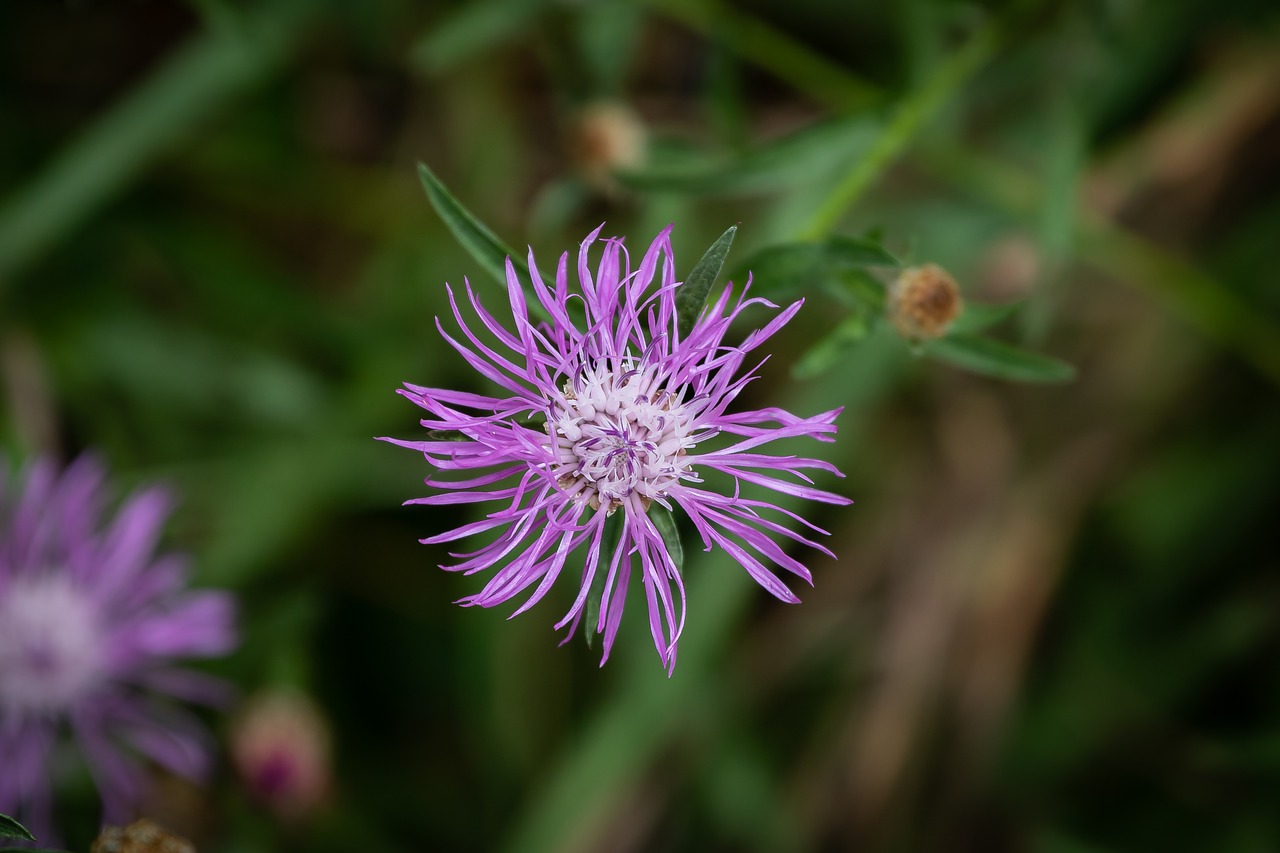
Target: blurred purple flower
point(91, 620)
point(629, 398)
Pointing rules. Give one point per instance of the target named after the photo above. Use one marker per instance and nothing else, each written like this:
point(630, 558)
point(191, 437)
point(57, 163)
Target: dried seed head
point(141, 836)
point(923, 302)
point(605, 137)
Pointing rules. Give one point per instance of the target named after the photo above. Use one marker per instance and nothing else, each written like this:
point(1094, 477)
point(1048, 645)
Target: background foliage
point(1053, 621)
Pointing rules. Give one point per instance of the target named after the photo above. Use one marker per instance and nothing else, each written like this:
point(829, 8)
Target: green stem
point(776, 52)
point(905, 122)
point(617, 744)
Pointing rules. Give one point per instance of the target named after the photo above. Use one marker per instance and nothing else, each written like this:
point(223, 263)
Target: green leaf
point(864, 290)
point(693, 294)
point(479, 241)
point(10, 828)
point(786, 268)
point(827, 351)
point(999, 360)
point(666, 524)
point(977, 317)
point(837, 266)
point(860, 252)
point(611, 540)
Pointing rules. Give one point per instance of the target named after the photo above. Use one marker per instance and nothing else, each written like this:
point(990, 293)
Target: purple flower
point(610, 406)
point(91, 620)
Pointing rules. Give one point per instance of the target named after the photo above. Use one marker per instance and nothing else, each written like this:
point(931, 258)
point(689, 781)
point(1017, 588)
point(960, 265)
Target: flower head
point(91, 621)
point(611, 406)
point(923, 302)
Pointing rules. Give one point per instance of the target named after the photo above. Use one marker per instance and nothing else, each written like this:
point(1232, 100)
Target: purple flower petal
point(91, 623)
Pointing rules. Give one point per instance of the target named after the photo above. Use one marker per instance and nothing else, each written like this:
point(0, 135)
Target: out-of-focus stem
point(203, 73)
point(775, 51)
point(903, 125)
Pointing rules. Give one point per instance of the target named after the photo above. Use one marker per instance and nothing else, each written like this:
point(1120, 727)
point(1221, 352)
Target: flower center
point(49, 645)
point(620, 437)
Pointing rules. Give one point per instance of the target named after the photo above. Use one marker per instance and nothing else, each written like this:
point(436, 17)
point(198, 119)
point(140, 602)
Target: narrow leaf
point(977, 317)
point(1000, 360)
point(479, 241)
point(666, 524)
point(693, 294)
point(827, 351)
point(10, 828)
point(862, 288)
point(802, 267)
point(860, 252)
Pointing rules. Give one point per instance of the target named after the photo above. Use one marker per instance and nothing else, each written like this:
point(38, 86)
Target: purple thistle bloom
point(629, 399)
point(91, 620)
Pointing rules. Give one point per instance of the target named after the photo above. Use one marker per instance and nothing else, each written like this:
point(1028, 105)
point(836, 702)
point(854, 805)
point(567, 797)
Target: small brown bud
point(923, 302)
point(142, 836)
point(606, 137)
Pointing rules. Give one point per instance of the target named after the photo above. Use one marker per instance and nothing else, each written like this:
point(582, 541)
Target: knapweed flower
point(611, 406)
point(91, 622)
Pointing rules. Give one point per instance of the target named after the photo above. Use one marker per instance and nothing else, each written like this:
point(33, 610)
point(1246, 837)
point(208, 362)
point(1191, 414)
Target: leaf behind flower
point(999, 360)
point(10, 828)
point(978, 317)
point(666, 524)
point(479, 240)
point(693, 294)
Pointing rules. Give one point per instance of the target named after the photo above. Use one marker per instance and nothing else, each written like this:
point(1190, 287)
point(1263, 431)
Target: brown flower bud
point(280, 746)
point(605, 137)
point(142, 836)
point(923, 302)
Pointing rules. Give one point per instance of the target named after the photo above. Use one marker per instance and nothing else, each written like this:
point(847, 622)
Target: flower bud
point(281, 749)
point(141, 836)
point(605, 137)
point(923, 302)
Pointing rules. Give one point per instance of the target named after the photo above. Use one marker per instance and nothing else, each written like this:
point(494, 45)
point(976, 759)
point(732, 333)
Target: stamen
point(616, 438)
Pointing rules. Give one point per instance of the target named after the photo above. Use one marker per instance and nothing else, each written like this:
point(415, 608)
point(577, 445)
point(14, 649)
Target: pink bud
point(281, 749)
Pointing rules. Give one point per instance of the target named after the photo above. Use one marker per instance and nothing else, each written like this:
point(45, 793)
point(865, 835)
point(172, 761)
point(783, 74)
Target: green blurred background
point(1053, 621)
